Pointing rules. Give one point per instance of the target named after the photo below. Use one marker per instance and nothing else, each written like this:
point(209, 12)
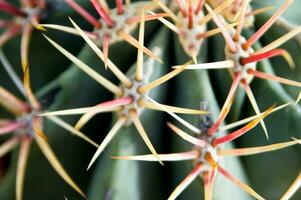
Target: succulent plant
point(123, 76)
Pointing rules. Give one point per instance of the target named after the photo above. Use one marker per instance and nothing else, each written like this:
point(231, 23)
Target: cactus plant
point(121, 62)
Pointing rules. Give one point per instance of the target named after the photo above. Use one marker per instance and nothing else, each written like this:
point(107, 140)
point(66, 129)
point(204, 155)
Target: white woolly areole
point(136, 96)
point(27, 119)
point(208, 149)
point(133, 90)
point(188, 37)
point(30, 12)
point(120, 22)
point(241, 53)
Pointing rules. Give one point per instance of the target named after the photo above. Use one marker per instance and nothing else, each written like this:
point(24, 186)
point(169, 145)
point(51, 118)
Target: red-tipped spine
point(267, 25)
point(190, 14)
point(41, 3)
point(262, 56)
point(119, 5)
point(27, 3)
point(199, 7)
point(241, 131)
point(102, 12)
point(11, 127)
point(146, 18)
point(181, 8)
point(10, 33)
point(84, 13)
point(4, 23)
point(10, 9)
point(271, 77)
point(231, 136)
point(116, 102)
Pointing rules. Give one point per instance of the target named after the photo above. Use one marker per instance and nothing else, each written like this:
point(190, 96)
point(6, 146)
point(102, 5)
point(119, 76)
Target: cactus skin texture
point(211, 85)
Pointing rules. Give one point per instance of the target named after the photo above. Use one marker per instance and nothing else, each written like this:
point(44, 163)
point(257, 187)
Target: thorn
point(11, 127)
point(186, 136)
point(54, 162)
point(69, 30)
point(292, 189)
point(21, 167)
point(11, 9)
point(259, 11)
point(119, 74)
point(189, 155)
point(105, 46)
point(89, 71)
point(119, 5)
point(244, 121)
point(131, 40)
point(27, 3)
point(167, 24)
point(267, 25)
point(84, 14)
point(187, 181)
point(8, 146)
point(167, 10)
point(241, 20)
point(108, 105)
point(208, 185)
point(214, 31)
point(128, 2)
point(107, 140)
point(147, 18)
point(9, 34)
point(217, 10)
point(255, 106)
point(76, 111)
point(40, 27)
point(35, 22)
point(232, 136)
point(179, 119)
point(102, 12)
point(266, 76)
point(12, 103)
point(267, 55)
point(25, 39)
point(190, 14)
point(256, 150)
point(194, 58)
point(173, 109)
point(240, 184)
point(29, 93)
point(12, 73)
point(181, 8)
point(213, 65)
point(5, 23)
point(163, 79)
point(105, 5)
point(143, 135)
point(69, 128)
point(223, 29)
point(199, 6)
point(139, 70)
point(299, 98)
point(35, 124)
point(227, 105)
point(275, 44)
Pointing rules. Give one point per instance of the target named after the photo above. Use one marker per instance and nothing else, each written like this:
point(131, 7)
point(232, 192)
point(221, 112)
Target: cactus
point(147, 81)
